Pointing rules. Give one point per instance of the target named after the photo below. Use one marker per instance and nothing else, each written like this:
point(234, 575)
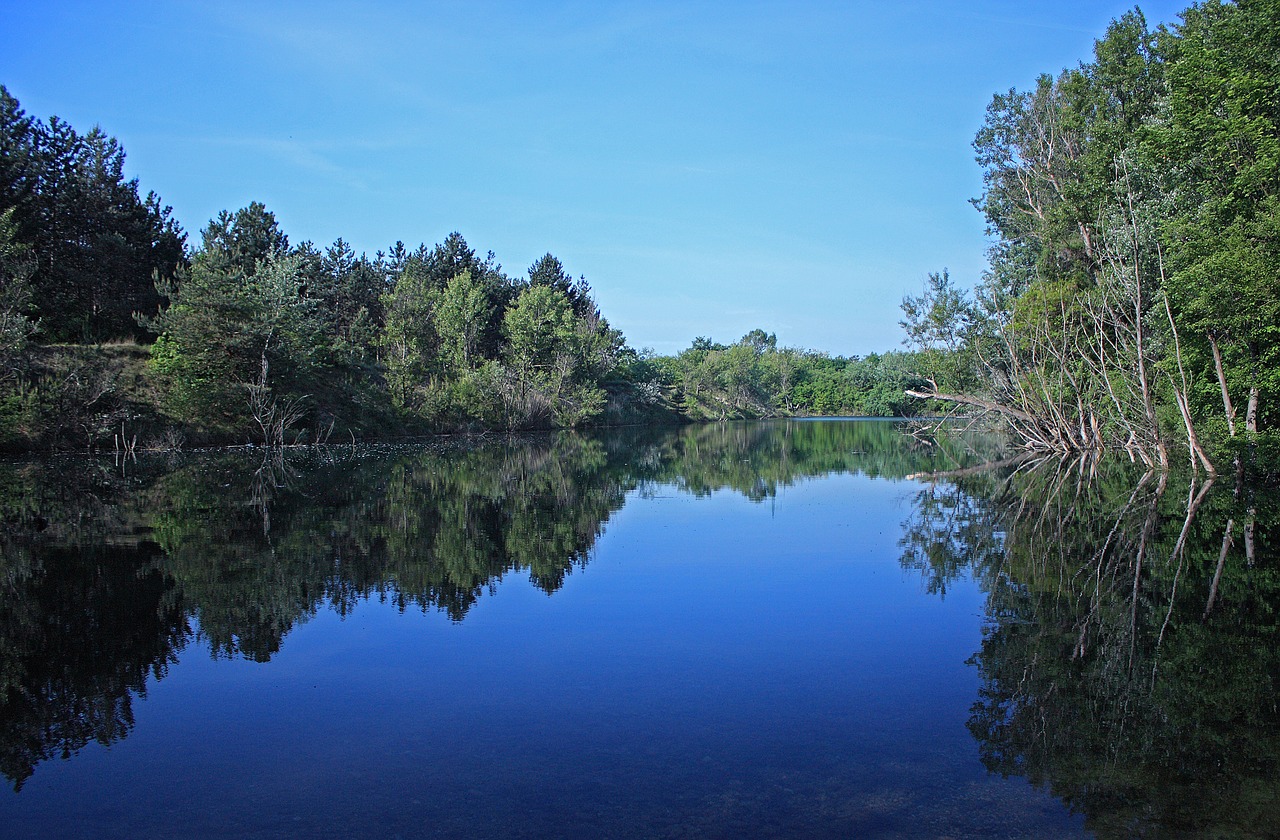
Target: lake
point(830, 628)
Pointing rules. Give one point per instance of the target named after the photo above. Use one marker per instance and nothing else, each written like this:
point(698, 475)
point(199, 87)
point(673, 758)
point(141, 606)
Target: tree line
point(1133, 290)
point(1130, 302)
point(112, 325)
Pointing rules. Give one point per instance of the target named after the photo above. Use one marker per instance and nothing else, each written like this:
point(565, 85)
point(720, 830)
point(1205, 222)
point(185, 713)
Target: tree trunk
point(976, 402)
point(1251, 413)
point(1248, 536)
point(1182, 398)
point(1222, 383)
point(1217, 575)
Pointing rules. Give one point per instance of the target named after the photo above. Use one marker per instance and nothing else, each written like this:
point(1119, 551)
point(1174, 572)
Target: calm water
point(792, 629)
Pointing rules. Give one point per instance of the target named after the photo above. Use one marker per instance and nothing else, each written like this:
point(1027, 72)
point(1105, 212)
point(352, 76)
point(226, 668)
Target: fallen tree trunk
point(1036, 433)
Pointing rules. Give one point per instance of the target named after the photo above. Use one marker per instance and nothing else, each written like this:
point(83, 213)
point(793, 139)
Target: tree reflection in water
point(87, 614)
point(107, 574)
point(1129, 661)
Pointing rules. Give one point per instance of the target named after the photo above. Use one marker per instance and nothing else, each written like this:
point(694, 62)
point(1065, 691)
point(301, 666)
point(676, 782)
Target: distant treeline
point(114, 332)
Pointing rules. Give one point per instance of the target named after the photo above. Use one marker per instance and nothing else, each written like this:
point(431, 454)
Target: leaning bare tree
point(1069, 337)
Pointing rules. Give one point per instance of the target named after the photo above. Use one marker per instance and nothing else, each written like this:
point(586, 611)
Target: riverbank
point(110, 397)
point(118, 396)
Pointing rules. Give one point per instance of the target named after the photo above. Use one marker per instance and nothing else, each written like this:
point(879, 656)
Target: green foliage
point(1134, 203)
point(94, 242)
point(16, 291)
point(558, 357)
point(252, 332)
point(550, 272)
point(408, 339)
point(235, 243)
point(537, 326)
point(464, 311)
point(1218, 140)
point(444, 365)
point(73, 397)
point(1146, 177)
point(756, 378)
point(230, 329)
point(21, 419)
point(938, 324)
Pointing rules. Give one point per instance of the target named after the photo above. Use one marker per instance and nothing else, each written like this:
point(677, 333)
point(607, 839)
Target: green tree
point(558, 359)
point(16, 293)
point(408, 342)
point(718, 382)
point(937, 324)
point(95, 242)
point(1067, 336)
point(549, 271)
point(240, 340)
point(18, 171)
point(464, 311)
point(439, 265)
point(536, 327)
point(1218, 141)
point(235, 243)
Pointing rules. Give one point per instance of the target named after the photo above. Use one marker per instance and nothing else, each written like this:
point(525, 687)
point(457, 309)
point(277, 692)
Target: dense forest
point(1132, 298)
point(1131, 301)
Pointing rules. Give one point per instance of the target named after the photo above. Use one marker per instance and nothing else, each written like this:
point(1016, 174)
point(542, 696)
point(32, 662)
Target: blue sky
point(710, 167)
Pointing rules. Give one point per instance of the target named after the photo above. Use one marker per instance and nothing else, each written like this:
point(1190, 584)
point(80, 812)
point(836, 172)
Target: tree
point(750, 378)
point(16, 305)
point(1218, 140)
point(439, 265)
point(408, 341)
point(535, 327)
point(1068, 336)
point(557, 358)
point(240, 340)
point(463, 312)
point(95, 243)
point(788, 370)
point(937, 324)
point(349, 291)
point(549, 271)
point(18, 172)
point(760, 341)
point(235, 243)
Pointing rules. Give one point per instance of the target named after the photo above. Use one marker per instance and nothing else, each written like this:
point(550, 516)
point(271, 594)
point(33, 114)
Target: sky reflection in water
point(718, 666)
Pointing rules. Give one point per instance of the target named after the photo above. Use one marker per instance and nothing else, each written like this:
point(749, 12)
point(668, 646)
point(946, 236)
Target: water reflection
point(255, 550)
point(1129, 661)
point(1128, 664)
point(108, 571)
